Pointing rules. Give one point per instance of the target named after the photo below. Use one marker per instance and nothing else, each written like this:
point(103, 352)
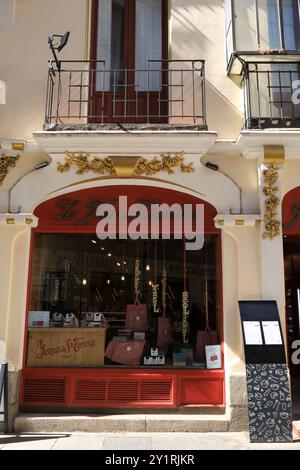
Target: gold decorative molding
point(166, 163)
point(100, 166)
point(239, 222)
point(125, 167)
point(272, 202)
point(274, 154)
point(18, 146)
point(6, 163)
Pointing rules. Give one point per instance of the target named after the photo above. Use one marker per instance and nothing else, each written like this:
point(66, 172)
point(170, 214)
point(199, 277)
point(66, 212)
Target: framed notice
point(213, 357)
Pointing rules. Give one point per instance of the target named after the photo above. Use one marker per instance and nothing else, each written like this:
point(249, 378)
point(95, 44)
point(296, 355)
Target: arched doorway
point(83, 285)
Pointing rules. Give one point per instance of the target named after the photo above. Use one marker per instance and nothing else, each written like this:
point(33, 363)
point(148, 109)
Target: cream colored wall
point(197, 31)
point(14, 255)
point(241, 281)
point(17, 300)
point(24, 54)
point(243, 173)
point(290, 175)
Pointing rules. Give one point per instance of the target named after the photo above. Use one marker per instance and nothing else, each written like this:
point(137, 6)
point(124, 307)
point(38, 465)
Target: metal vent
point(44, 390)
point(90, 390)
point(122, 391)
point(156, 391)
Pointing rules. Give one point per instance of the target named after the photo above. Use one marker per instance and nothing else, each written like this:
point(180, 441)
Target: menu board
point(268, 389)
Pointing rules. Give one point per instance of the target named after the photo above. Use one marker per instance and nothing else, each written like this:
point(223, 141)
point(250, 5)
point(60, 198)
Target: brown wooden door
point(129, 46)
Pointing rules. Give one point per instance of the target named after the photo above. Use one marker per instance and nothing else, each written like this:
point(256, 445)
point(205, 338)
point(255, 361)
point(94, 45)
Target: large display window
point(145, 303)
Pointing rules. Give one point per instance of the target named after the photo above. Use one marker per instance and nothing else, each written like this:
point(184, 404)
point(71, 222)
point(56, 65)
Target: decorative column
point(271, 256)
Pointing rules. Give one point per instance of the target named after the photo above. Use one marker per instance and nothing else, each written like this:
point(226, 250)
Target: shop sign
point(65, 347)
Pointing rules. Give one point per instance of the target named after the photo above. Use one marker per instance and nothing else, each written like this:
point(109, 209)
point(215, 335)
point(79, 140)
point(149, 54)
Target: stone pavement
point(136, 441)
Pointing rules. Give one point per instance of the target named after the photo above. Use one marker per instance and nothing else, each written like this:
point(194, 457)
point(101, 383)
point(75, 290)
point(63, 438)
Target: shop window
point(79, 282)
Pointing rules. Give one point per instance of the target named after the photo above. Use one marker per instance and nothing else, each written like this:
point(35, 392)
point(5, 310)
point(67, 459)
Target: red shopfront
point(291, 233)
point(76, 280)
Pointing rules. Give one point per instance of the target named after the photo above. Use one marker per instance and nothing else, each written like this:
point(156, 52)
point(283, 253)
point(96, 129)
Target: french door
point(129, 48)
point(284, 33)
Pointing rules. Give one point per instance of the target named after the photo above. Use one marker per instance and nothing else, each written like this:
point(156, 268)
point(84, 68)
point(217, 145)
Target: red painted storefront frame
point(190, 387)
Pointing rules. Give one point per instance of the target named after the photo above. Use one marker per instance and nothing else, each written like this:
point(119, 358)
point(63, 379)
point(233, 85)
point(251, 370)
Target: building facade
point(164, 102)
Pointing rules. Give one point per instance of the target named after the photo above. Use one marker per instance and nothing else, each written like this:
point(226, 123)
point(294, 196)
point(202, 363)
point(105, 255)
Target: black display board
point(269, 397)
point(4, 393)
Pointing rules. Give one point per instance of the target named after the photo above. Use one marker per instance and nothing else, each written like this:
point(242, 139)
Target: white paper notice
point(272, 332)
point(252, 333)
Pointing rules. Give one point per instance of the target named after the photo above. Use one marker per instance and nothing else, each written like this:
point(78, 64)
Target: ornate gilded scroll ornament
point(272, 202)
point(100, 166)
point(165, 163)
point(6, 163)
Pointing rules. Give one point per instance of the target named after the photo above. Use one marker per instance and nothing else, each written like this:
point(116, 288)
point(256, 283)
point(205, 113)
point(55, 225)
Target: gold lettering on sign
point(137, 276)
point(164, 290)
point(185, 316)
point(155, 289)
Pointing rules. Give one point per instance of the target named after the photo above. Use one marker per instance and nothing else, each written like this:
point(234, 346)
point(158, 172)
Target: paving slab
point(137, 441)
point(196, 441)
point(127, 443)
point(5, 438)
point(30, 442)
point(79, 442)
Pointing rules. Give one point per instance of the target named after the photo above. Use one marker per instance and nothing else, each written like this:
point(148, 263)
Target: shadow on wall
point(222, 115)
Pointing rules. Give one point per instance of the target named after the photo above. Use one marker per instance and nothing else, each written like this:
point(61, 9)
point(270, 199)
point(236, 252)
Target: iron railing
point(272, 92)
point(88, 92)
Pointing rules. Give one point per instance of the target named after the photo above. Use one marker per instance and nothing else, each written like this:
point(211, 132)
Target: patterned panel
point(269, 403)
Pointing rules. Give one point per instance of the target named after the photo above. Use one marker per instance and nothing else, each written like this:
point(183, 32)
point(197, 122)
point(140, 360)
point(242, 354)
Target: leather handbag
point(164, 333)
point(127, 353)
point(137, 318)
point(205, 338)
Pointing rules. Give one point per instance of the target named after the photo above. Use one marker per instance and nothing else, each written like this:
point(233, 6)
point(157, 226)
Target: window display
point(158, 303)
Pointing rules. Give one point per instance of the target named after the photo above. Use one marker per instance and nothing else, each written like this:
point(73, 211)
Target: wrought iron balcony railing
point(82, 93)
point(272, 92)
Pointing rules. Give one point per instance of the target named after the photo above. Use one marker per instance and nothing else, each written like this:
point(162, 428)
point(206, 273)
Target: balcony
point(270, 90)
point(85, 95)
point(260, 28)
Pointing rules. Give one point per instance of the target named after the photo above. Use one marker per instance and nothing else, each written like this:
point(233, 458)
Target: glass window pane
point(110, 44)
point(148, 44)
point(289, 25)
point(79, 276)
point(274, 25)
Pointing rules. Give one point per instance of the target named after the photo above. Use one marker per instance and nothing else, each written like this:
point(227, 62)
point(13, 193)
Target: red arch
point(291, 212)
point(76, 211)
